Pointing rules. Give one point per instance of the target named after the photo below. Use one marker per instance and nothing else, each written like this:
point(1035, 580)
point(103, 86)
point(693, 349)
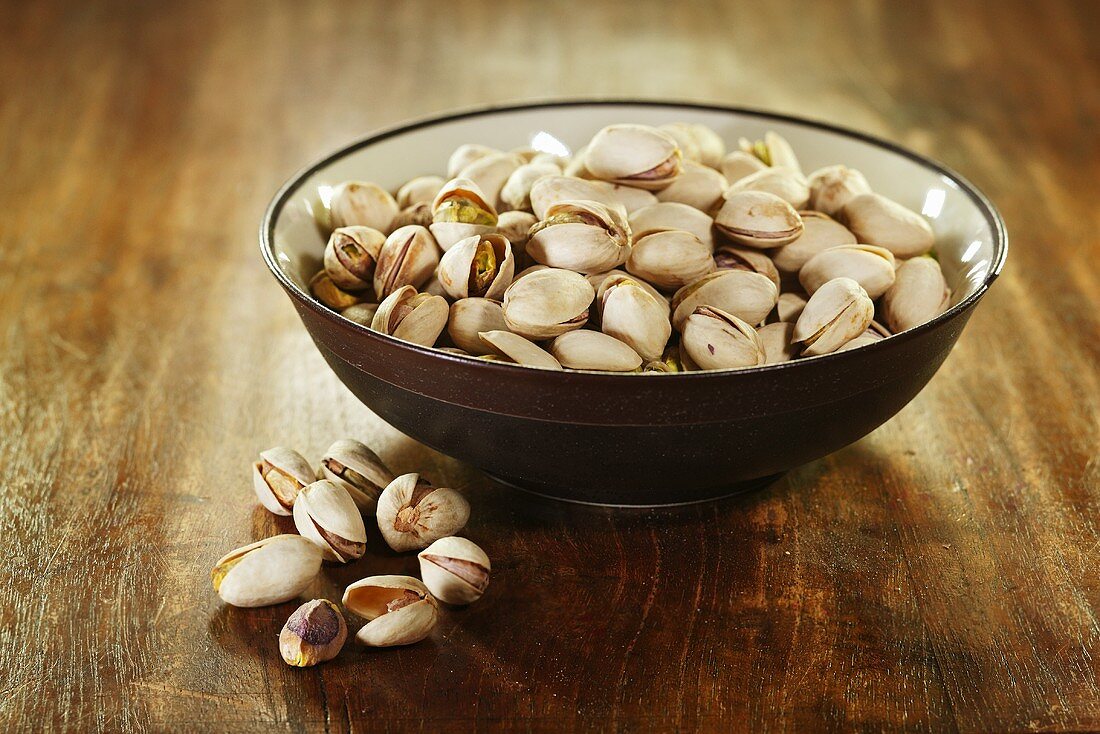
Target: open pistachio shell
point(877, 220)
point(269, 571)
point(362, 203)
point(550, 190)
point(670, 259)
point(672, 215)
point(350, 256)
point(787, 184)
point(584, 236)
point(490, 172)
point(738, 164)
point(516, 193)
point(602, 281)
point(400, 610)
point(415, 317)
point(412, 513)
point(455, 570)
point(517, 349)
point(471, 316)
point(547, 303)
point(717, 340)
point(758, 219)
point(461, 210)
point(748, 296)
point(773, 150)
point(466, 154)
point(819, 232)
point(832, 186)
point(408, 257)
point(330, 294)
point(790, 305)
point(326, 514)
point(593, 350)
point(838, 312)
point(278, 477)
point(697, 186)
point(419, 190)
point(355, 467)
point(872, 267)
point(479, 266)
point(630, 314)
point(776, 339)
point(919, 294)
point(636, 155)
point(731, 257)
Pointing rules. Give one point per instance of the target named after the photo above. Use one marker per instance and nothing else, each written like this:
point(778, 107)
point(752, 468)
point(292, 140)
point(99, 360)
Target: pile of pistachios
point(648, 250)
point(328, 506)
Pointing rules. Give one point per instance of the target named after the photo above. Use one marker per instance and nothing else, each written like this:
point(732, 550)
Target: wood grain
point(939, 575)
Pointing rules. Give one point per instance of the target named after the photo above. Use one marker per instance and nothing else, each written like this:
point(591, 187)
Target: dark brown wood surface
point(939, 575)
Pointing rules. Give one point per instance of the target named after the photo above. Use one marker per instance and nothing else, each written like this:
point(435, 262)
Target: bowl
point(635, 439)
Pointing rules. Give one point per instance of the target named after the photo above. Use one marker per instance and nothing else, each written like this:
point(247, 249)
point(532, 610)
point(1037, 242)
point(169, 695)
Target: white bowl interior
point(964, 237)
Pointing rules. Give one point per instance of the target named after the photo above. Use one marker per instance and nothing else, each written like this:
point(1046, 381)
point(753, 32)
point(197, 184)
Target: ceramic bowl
point(635, 439)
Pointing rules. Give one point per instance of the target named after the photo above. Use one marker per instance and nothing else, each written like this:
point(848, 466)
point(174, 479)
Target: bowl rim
point(293, 184)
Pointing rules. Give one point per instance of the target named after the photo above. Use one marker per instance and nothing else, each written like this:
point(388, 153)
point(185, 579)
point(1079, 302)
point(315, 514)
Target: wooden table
point(939, 575)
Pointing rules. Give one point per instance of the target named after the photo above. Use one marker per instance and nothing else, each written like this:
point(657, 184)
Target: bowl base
point(632, 499)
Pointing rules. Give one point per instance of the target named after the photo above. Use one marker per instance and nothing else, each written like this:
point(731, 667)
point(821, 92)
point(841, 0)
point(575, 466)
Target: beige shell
point(355, 467)
point(832, 186)
point(871, 267)
point(455, 570)
point(470, 316)
point(412, 513)
point(269, 571)
point(515, 226)
point(630, 314)
point(670, 259)
point(415, 317)
point(819, 232)
point(350, 256)
point(517, 349)
point(738, 164)
point(479, 267)
point(697, 186)
point(876, 220)
point(684, 136)
point(788, 185)
point(717, 340)
point(629, 198)
point(672, 215)
point(838, 312)
point(919, 294)
point(550, 190)
point(414, 214)
point(330, 294)
point(575, 166)
point(776, 339)
point(466, 154)
point(361, 313)
point(711, 146)
point(516, 193)
point(583, 236)
point(748, 296)
point(594, 350)
point(278, 477)
point(731, 257)
point(602, 281)
point(547, 302)
point(790, 305)
point(865, 339)
point(773, 150)
point(419, 190)
point(362, 203)
point(400, 610)
point(758, 219)
point(636, 155)
point(326, 514)
point(408, 257)
point(490, 172)
point(461, 210)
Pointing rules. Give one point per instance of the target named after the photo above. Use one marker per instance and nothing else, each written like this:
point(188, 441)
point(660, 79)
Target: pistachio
point(738, 164)
point(629, 198)
point(876, 220)
point(687, 364)
point(518, 349)
point(547, 303)
point(278, 477)
point(717, 340)
point(516, 192)
point(314, 633)
point(326, 514)
point(773, 150)
point(461, 210)
point(408, 257)
point(362, 203)
point(471, 316)
point(636, 155)
point(434, 288)
point(355, 467)
point(593, 350)
point(670, 259)
point(776, 339)
point(466, 154)
point(865, 339)
point(490, 172)
point(419, 214)
point(819, 232)
point(269, 571)
point(748, 296)
point(360, 313)
point(455, 570)
point(415, 317)
point(412, 513)
point(731, 257)
point(478, 266)
point(400, 610)
point(514, 226)
point(669, 362)
point(758, 219)
point(420, 190)
point(350, 256)
point(672, 215)
point(790, 306)
point(584, 236)
point(330, 294)
point(682, 133)
point(919, 294)
point(831, 188)
point(789, 185)
point(550, 190)
point(633, 316)
point(838, 312)
point(871, 267)
point(602, 281)
point(711, 146)
point(575, 166)
point(697, 186)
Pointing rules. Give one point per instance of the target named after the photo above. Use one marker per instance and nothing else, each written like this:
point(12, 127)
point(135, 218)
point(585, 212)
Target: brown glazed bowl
point(636, 439)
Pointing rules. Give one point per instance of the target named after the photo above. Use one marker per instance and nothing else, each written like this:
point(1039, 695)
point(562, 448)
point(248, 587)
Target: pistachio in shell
point(471, 316)
point(409, 256)
point(330, 294)
point(877, 220)
point(872, 267)
point(461, 210)
point(350, 256)
point(772, 150)
point(362, 203)
point(583, 236)
point(732, 257)
point(670, 259)
point(314, 633)
point(632, 315)
point(415, 317)
point(326, 514)
point(758, 219)
point(785, 183)
point(490, 172)
point(737, 164)
point(547, 302)
point(412, 513)
point(819, 232)
point(594, 350)
point(269, 571)
point(517, 349)
point(836, 313)
point(697, 186)
point(635, 155)
point(399, 610)
point(360, 313)
point(672, 215)
point(918, 295)
point(718, 340)
point(419, 190)
point(455, 570)
point(466, 154)
point(776, 339)
point(355, 467)
point(550, 190)
point(480, 266)
point(516, 193)
point(748, 296)
point(832, 186)
point(278, 477)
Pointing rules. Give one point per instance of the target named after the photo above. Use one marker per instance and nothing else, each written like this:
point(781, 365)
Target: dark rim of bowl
point(291, 186)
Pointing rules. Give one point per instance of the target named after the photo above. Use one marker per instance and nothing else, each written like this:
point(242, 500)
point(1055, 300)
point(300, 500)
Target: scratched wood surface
point(939, 575)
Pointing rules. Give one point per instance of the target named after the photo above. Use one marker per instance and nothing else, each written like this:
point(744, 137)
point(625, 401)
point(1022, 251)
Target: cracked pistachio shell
point(278, 477)
point(409, 256)
point(832, 186)
point(412, 513)
point(758, 219)
point(731, 257)
point(773, 150)
point(776, 339)
point(489, 173)
point(415, 317)
point(269, 571)
point(479, 266)
point(682, 133)
point(635, 155)
point(361, 313)
point(717, 340)
point(514, 226)
point(350, 256)
point(517, 349)
point(583, 236)
point(819, 233)
point(790, 305)
point(697, 186)
point(631, 199)
point(466, 154)
point(314, 633)
point(355, 467)
point(516, 193)
point(455, 570)
point(419, 190)
point(471, 316)
point(838, 312)
point(876, 220)
point(738, 164)
point(670, 259)
point(602, 281)
point(550, 190)
point(400, 610)
point(748, 296)
point(630, 314)
point(919, 294)
point(788, 185)
point(547, 302)
point(361, 203)
point(672, 215)
point(594, 350)
point(330, 294)
point(461, 210)
point(326, 514)
point(871, 267)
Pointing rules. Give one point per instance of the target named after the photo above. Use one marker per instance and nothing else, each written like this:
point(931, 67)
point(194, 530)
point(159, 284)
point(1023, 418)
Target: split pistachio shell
point(550, 190)
point(738, 164)
point(420, 190)
point(636, 155)
point(415, 317)
point(461, 210)
point(717, 340)
point(355, 467)
point(455, 570)
point(516, 193)
point(479, 266)
point(838, 312)
point(519, 350)
point(471, 316)
point(672, 215)
point(758, 219)
point(360, 313)
point(412, 513)
point(831, 188)
point(314, 633)
point(876, 220)
point(330, 294)
point(776, 339)
point(362, 203)
point(731, 257)
point(602, 281)
point(773, 150)
point(420, 214)
point(787, 184)
point(400, 610)
point(697, 186)
point(466, 154)
point(593, 350)
point(350, 256)
point(819, 232)
point(670, 259)
point(748, 296)
point(547, 303)
point(408, 257)
point(790, 306)
point(278, 477)
point(515, 225)
point(326, 514)
point(682, 133)
point(919, 294)
point(270, 571)
point(630, 314)
point(490, 172)
point(584, 236)
point(871, 267)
